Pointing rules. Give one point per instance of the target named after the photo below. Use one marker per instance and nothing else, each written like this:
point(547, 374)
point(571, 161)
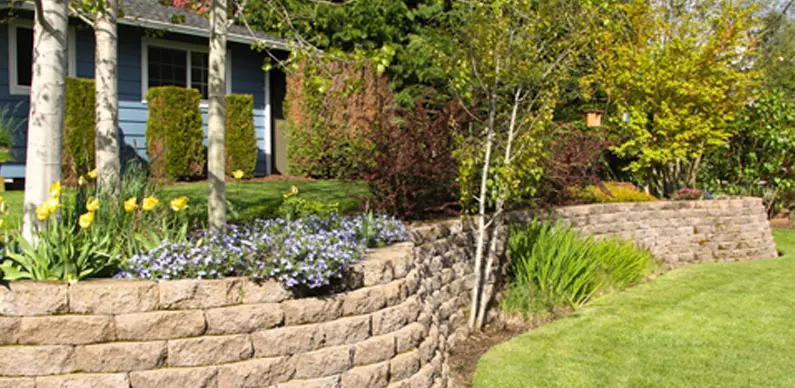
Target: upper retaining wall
point(395, 330)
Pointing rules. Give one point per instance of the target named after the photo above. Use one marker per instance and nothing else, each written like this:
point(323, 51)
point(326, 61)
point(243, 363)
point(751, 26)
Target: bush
point(305, 254)
point(607, 192)
point(413, 172)
point(241, 136)
point(174, 133)
point(556, 267)
point(78, 130)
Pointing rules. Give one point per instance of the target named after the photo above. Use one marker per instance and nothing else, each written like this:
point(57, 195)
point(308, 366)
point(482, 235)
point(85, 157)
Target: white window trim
point(187, 47)
point(15, 88)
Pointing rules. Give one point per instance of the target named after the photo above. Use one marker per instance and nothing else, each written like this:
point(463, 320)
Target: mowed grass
point(710, 325)
point(247, 199)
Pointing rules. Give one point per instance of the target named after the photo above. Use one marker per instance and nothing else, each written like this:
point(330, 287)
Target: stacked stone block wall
point(394, 329)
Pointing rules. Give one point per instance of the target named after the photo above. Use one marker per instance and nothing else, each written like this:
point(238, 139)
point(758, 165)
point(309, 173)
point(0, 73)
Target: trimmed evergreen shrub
point(241, 137)
point(78, 156)
point(174, 133)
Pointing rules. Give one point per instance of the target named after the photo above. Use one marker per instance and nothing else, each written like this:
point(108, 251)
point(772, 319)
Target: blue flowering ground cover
point(309, 252)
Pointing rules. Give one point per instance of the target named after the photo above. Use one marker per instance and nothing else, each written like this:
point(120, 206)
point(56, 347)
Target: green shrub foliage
point(174, 133)
point(78, 130)
point(556, 267)
point(241, 137)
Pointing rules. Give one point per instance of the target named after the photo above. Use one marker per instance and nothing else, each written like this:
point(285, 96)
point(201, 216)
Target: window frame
point(14, 88)
point(188, 48)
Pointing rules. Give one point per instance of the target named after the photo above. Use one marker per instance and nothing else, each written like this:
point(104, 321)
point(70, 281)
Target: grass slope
point(710, 325)
point(248, 199)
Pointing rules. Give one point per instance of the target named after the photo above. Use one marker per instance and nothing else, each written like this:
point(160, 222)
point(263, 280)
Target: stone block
point(370, 376)
point(175, 378)
point(17, 382)
point(394, 318)
point(209, 350)
point(28, 298)
point(286, 341)
point(36, 360)
point(270, 291)
point(260, 372)
point(9, 327)
point(311, 310)
point(404, 365)
point(409, 337)
point(374, 350)
point(346, 331)
point(112, 296)
point(66, 329)
point(159, 325)
point(363, 301)
point(324, 382)
point(243, 318)
point(324, 362)
point(117, 380)
point(198, 294)
point(120, 356)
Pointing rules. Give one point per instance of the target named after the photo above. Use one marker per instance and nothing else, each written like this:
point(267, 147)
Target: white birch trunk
point(45, 119)
point(107, 99)
point(216, 126)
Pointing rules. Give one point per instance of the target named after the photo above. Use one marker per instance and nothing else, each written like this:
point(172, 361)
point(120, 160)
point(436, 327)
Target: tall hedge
point(241, 137)
point(174, 133)
point(78, 154)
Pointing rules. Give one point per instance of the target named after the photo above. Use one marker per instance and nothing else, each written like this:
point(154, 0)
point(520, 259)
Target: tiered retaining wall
point(395, 330)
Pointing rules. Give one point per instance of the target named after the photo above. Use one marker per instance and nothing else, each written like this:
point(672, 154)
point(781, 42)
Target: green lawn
point(248, 199)
point(711, 325)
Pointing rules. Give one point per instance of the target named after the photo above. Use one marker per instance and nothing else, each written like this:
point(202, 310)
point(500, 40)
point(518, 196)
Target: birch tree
point(45, 119)
point(107, 97)
point(513, 53)
point(216, 126)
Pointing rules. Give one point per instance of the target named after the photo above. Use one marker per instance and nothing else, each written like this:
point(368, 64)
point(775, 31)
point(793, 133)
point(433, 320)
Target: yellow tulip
point(131, 204)
point(52, 205)
point(149, 203)
point(86, 220)
point(293, 191)
point(81, 181)
point(55, 189)
point(92, 204)
point(42, 213)
point(180, 203)
point(92, 174)
point(2, 199)
point(238, 174)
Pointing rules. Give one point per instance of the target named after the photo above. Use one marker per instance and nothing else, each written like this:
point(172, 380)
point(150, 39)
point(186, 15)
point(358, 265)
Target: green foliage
point(294, 207)
point(612, 192)
point(174, 133)
point(9, 125)
point(78, 130)
point(241, 136)
point(560, 268)
point(681, 79)
point(759, 159)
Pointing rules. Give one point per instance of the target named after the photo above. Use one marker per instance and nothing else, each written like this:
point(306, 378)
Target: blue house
point(152, 51)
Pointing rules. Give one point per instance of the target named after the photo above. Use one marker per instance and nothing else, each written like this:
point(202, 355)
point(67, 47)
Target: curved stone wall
point(394, 330)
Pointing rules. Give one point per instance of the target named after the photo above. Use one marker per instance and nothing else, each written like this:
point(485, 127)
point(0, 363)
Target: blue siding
point(247, 78)
point(18, 108)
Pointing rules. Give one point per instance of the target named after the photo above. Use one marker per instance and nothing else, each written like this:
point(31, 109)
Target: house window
point(172, 65)
point(20, 56)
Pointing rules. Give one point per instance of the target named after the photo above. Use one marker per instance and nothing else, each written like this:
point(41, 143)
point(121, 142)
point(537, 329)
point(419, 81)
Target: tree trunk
point(45, 119)
point(216, 126)
point(107, 96)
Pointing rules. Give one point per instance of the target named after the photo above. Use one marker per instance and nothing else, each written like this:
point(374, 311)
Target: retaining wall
point(394, 330)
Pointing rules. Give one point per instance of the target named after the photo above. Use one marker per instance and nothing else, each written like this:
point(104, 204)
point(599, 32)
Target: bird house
point(593, 118)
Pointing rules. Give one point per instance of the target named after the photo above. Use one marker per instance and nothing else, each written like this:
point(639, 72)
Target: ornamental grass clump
point(305, 253)
point(556, 267)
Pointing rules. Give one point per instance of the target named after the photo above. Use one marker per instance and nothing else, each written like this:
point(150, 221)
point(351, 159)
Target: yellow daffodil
point(86, 220)
point(2, 223)
point(3, 207)
point(238, 174)
point(293, 191)
point(55, 189)
point(42, 213)
point(92, 204)
point(2, 199)
point(131, 204)
point(92, 174)
point(180, 203)
point(52, 205)
point(81, 181)
point(149, 203)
